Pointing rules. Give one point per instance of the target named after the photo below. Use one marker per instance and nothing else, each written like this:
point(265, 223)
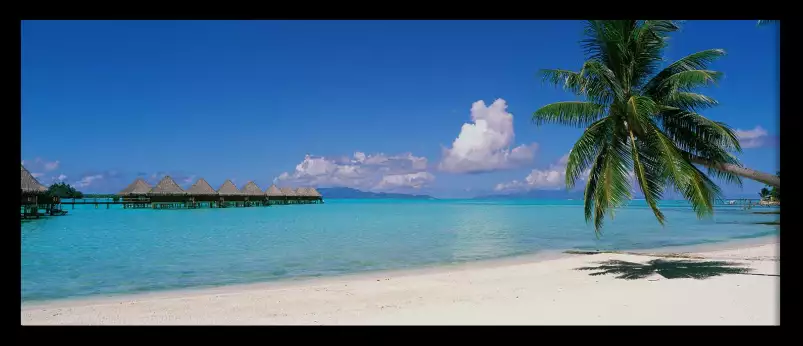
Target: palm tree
point(643, 119)
point(764, 193)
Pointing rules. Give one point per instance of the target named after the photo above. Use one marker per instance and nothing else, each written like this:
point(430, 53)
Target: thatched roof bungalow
point(288, 192)
point(201, 188)
point(273, 191)
point(167, 187)
point(252, 189)
point(302, 192)
point(138, 187)
point(228, 189)
point(314, 193)
point(29, 185)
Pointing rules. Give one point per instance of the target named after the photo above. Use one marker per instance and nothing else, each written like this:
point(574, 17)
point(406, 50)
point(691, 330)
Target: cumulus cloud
point(552, 178)
point(757, 137)
point(361, 171)
point(485, 144)
point(61, 177)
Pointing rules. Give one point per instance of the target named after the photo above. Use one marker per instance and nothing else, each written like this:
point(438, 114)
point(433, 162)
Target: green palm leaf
point(585, 150)
point(572, 113)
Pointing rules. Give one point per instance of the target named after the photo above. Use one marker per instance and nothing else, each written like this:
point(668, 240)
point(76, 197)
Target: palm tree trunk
point(769, 179)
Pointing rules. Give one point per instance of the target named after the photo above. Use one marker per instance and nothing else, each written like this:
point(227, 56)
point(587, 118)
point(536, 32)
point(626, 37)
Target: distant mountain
point(349, 193)
point(538, 194)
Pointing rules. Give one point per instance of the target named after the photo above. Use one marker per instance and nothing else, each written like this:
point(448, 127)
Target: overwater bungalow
point(253, 194)
point(229, 195)
point(302, 195)
point(139, 189)
point(275, 196)
point(201, 192)
point(318, 198)
point(135, 195)
point(289, 195)
point(308, 195)
point(32, 193)
point(167, 194)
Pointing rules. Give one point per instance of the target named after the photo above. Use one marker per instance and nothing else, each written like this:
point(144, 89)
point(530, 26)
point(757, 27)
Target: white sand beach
point(522, 291)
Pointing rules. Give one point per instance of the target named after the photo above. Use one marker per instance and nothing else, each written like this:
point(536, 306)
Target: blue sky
point(375, 105)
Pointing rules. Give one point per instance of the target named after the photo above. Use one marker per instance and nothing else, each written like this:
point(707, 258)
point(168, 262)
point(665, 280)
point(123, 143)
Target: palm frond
point(568, 80)
point(687, 179)
point(640, 109)
point(689, 101)
point(689, 80)
point(696, 61)
point(572, 113)
point(602, 86)
point(662, 26)
point(651, 184)
point(610, 180)
point(585, 150)
point(697, 134)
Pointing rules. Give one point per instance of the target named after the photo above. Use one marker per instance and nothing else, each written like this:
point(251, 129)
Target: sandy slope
point(521, 292)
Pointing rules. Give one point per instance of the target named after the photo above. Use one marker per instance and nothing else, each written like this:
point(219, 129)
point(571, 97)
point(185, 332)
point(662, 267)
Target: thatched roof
point(138, 187)
point(273, 191)
point(29, 183)
point(252, 189)
point(228, 189)
point(201, 187)
point(286, 191)
point(167, 186)
point(302, 191)
point(313, 192)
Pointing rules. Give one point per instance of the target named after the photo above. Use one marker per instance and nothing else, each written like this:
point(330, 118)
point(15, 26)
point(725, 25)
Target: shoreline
point(466, 268)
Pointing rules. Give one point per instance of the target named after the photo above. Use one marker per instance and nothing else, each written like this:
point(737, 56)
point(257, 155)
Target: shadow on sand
point(670, 269)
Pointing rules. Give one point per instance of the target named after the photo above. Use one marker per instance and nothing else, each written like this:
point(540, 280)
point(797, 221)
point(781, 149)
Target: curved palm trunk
point(769, 179)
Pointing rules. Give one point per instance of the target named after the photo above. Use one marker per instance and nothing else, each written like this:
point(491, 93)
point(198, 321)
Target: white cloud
point(88, 180)
point(752, 138)
point(361, 171)
point(552, 178)
point(37, 175)
point(61, 177)
point(412, 180)
point(49, 166)
point(484, 145)
point(39, 164)
point(188, 180)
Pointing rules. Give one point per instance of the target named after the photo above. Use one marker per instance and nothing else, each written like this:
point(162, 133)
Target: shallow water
point(98, 251)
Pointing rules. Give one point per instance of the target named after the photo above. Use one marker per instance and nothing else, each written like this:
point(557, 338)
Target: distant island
point(537, 194)
point(349, 193)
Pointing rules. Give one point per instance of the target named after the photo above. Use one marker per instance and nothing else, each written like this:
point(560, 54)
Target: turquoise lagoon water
point(99, 252)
